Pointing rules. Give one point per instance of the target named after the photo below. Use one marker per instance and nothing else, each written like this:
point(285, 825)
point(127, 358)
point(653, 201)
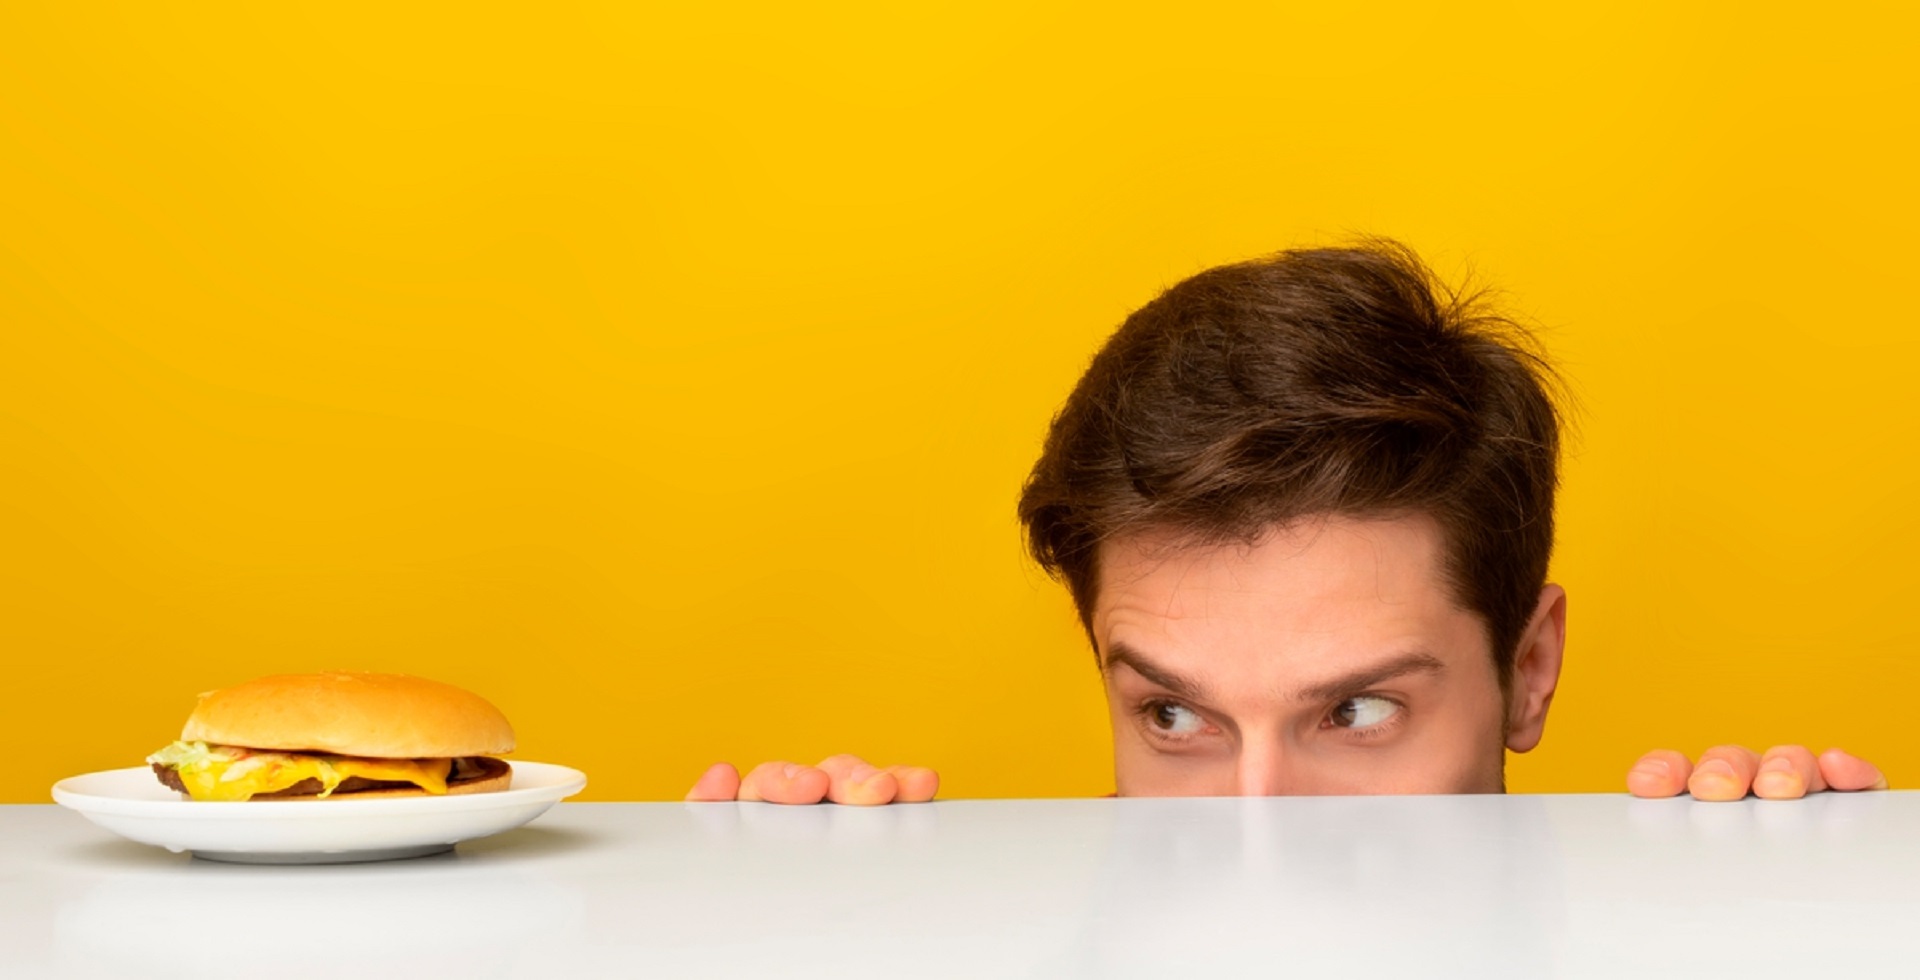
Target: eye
point(1172, 719)
point(1361, 712)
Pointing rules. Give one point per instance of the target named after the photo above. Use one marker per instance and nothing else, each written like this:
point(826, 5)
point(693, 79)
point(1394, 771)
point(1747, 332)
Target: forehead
point(1325, 587)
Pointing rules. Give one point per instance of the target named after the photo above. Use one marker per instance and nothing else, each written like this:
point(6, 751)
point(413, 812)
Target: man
point(1305, 508)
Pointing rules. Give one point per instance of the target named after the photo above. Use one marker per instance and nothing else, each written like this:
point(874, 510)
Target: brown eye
point(1174, 719)
point(1361, 712)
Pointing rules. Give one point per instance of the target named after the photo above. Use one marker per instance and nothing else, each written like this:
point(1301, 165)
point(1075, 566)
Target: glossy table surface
point(1519, 886)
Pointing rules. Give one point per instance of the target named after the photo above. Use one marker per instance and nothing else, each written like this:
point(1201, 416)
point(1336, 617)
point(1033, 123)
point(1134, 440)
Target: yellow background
point(668, 374)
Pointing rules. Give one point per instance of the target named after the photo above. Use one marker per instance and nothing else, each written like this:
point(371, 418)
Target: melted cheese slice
point(256, 773)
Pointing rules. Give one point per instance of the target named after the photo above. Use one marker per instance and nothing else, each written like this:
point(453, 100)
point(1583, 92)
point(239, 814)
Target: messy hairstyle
point(1330, 381)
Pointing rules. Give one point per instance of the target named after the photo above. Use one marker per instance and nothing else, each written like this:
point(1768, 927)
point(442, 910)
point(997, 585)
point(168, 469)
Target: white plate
point(133, 804)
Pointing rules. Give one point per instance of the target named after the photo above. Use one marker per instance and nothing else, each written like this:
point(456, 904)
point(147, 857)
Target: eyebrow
point(1357, 680)
point(1333, 688)
point(1120, 653)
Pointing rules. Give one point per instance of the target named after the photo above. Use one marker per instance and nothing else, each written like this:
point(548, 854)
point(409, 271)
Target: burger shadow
point(521, 842)
point(120, 855)
point(524, 843)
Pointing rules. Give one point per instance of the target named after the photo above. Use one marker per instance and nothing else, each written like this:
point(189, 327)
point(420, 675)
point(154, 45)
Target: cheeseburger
point(338, 735)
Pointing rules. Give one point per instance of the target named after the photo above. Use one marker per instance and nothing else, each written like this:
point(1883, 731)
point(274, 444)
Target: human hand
point(1727, 772)
point(840, 779)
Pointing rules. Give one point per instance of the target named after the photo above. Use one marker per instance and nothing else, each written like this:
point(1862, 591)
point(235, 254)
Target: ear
point(1536, 670)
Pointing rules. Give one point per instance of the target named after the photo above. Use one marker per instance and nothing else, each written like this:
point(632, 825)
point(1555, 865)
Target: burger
point(338, 736)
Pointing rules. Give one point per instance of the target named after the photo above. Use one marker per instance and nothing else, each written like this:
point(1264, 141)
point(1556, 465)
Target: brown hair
point(1317, 381)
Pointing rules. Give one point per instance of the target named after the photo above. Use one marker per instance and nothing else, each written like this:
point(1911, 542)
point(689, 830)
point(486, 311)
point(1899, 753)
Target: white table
point(1521, 886)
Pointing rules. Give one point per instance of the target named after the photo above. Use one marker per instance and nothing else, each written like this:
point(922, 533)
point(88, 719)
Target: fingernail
point(862, 773)
point(1656, 768)
point(1714, 767)
point(1777, 764)
point(791, 769)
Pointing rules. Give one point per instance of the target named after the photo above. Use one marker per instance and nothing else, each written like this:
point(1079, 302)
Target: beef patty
point(465, 770)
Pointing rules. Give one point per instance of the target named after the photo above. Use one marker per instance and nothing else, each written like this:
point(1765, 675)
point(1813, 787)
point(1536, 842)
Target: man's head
point(1284, 477)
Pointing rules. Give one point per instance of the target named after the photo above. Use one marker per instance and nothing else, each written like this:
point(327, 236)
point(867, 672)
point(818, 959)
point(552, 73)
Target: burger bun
point(374, 716)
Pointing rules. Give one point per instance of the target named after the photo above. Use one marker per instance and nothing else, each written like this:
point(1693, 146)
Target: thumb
point(719, 784)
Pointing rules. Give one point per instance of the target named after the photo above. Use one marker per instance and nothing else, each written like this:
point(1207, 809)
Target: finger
point(1725, 773)
point(1659, 774)
point(784, 782)
point(854, 782)
point(917, 783)
point(1787, 772)
point(719, 784)
point(1849, 773)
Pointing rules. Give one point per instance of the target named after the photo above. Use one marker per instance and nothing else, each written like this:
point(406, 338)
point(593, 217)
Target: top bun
point(376, 716)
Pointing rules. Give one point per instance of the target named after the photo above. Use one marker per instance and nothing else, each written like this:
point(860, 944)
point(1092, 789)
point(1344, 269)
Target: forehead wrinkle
point(1179, 585)
point(1216, 567)
point(1149, 560)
